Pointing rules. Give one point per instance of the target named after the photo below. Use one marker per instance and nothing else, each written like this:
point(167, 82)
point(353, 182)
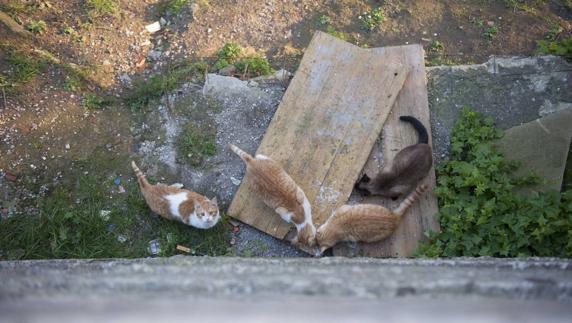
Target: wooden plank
point(325, 127)
point(396, 135)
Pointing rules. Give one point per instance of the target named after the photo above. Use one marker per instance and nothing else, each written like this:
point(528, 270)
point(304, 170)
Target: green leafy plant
point(490, 32)
point(94, 101)
point(339, 34)
point(370, 20)
point(436, 47)
point(560, 48)
point(481, 215)
point(37, 27)
point(173, 6)
point(229, 52)
point(102, 7)
point(553, 32)
point(324, 20)
point(254, 66)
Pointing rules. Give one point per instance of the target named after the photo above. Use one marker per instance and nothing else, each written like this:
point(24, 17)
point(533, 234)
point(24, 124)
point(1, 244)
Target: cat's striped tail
point(242, 154)
point(140, 176)
point(410, 199)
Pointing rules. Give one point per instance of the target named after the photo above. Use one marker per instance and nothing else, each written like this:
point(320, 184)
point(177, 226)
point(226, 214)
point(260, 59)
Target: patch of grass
point(172, 6)
point(490, 32)
point(75, 36)
point(436, 47)
point(102, 7)
point(196, 141)
point(561, 48)
point(254, 66)
point(480, 213)
point(157, 85)
point(324, 20)
point(553, 32)
point(567, 4)
point(71, 223)
point(371, 20)
point(338, 34)
point(524, 5)
point(26, 67)
point(435, 55)
point(37, 27)
point(94, 101)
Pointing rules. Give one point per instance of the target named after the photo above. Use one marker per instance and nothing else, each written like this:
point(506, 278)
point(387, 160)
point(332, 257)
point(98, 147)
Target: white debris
point(154, 27)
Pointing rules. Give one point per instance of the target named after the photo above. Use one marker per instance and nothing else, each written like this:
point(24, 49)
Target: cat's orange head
point(306, 236)
point(324, 238)
point(206, 213)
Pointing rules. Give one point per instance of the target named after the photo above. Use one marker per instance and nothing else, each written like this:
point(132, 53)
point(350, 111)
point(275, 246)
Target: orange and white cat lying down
point(364, 222)
point(278, 190)
point(174, 203)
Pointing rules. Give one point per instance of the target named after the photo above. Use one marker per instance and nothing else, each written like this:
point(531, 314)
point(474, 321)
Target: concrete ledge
point(262, 289)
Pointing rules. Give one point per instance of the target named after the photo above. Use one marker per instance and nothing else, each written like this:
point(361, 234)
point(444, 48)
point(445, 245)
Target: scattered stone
point(104, 214)
point(67, 146)
point(121, 238)
point(125, 79)
point(121, 189)
point(163, 22)
point(153, 28)
point(11, 177)
point(154, 54)
point(154, 247)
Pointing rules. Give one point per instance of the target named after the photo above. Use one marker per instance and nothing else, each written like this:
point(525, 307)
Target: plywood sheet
point(325, 127)
point(396, 135)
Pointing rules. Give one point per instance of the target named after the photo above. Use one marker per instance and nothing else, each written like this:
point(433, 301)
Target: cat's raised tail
point(140, 176)
point(410, 199)
point(419, 127)
point(242, 154)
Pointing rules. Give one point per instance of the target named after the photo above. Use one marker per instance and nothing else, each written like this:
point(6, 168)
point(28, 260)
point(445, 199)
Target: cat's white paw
point(177, 185)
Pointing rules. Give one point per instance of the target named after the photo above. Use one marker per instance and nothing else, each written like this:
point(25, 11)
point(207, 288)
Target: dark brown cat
point(278, 190)
point(406, 170)
point(363, 222)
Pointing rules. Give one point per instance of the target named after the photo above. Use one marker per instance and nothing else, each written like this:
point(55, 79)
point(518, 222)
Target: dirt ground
point(47, 125)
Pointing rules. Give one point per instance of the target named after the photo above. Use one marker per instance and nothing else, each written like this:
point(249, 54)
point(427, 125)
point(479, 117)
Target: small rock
point(163, 22)
point(232, 241)
point(104, 214)
point(209, 30)
point(121, 189)
point(11, 177)
point(154, 54)
point(154, 247)
point(67, 146)
point(490, 23)
point(125, 79)
point(235, 181)
point(121, 238)
point(154, 27)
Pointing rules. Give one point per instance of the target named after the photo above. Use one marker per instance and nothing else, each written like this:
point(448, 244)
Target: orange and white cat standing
point(364, 222)
point(278, 190)
point(175, 203)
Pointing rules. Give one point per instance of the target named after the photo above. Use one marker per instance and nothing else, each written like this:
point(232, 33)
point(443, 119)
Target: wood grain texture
point(325, 127)
point(396, 135)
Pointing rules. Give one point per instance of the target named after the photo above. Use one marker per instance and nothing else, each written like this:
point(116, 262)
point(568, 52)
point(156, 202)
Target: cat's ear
point(214, 200)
